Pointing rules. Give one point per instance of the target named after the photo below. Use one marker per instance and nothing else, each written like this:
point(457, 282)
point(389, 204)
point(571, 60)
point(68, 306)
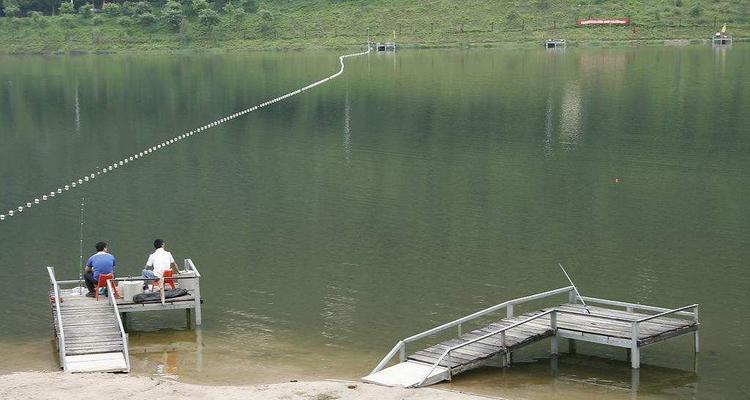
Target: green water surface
point(412, 190)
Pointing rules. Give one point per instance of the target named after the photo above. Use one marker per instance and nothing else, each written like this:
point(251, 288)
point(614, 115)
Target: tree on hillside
point(208, 18)
point(11, 10)
point(112, 9)
point(66, 8)
point(171, 15)
point(250, 6)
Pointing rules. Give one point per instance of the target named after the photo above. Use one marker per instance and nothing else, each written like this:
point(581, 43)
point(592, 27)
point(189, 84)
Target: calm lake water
point(414, 189)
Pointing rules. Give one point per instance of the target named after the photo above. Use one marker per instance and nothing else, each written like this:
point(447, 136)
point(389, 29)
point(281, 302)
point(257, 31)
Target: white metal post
point(510, 310)
point(697, 336)
point(402, 352)
point(553, 325)
point(635, 355)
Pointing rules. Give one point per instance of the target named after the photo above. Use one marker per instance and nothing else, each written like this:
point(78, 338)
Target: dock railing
point(60, 332)
point(400, 347)
point(123, 335)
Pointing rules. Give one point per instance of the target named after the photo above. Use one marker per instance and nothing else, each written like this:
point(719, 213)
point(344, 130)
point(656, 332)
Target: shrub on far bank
point(85, 10)
point(208, 17)
point(11, 10)
point(146, 19)
point(66, 8)
point(112, 9)
point(171, 15)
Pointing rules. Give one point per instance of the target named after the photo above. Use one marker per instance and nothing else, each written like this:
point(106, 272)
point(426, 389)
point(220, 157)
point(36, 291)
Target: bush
point(112, 9)
point(146, 19)
point(250, 6)
point(141, 8)
point(265, 15)
point(696, 10)
point(85, 10)
point(512, 17)
point(678, 3)
point(97, 20)
point(199, 5)
point(125, 21)
point(171, 15)
point(127, 8)
point(208, 17)
point(68, 21)
point(236, 12)
point(66, 8)
point(11, 10)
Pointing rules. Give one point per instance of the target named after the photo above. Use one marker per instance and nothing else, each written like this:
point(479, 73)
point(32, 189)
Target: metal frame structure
point(633, 344)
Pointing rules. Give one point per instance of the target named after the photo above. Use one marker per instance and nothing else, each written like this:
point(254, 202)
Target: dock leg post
point(188, 320)
point(635, 380)
point(553, 341)
point(697, 342)
point(124, 318)
point(635, 353)
point(572, 349)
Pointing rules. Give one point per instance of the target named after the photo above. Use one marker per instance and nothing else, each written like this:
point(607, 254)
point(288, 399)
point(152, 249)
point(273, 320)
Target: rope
point(75, 183)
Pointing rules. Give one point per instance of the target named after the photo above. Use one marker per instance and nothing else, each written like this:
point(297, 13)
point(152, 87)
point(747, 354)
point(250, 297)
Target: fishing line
point(75, 183)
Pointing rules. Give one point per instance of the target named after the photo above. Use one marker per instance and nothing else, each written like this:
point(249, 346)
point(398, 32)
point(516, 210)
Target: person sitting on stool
point(159, 261)
point(100, 263)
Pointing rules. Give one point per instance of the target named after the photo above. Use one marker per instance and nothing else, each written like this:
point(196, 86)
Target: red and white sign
point(614, 21)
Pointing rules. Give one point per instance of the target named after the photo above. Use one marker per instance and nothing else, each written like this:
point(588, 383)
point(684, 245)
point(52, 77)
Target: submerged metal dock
point(614, 323)
point(91, 334)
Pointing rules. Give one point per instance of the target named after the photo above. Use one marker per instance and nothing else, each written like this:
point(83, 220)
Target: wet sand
point(64, 386)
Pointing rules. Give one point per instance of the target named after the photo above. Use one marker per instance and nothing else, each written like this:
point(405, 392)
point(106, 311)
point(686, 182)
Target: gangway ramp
point(632, 328)
point(89, 332)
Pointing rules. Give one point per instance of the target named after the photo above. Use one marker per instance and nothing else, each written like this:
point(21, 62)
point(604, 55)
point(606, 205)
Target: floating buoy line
point(75, 183)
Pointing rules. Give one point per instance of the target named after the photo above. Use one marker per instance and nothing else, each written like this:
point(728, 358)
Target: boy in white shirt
point(159, 261)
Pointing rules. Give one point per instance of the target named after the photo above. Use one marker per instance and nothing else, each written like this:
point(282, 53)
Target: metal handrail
point(485, 336)
point(676, 310)
point(113, 301)
point(627, 305)
point(61, 333)
point(401, 344)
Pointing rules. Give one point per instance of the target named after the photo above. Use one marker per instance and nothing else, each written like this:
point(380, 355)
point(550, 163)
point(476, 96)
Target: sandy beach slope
point(64, 386)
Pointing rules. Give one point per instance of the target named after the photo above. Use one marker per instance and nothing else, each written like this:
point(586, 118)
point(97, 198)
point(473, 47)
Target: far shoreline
point(248, 47)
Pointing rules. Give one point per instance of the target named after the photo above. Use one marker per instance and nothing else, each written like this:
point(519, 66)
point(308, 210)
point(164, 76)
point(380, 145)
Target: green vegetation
point(45, 26)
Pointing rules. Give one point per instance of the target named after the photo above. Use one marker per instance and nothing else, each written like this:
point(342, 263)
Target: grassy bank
point(295, 24)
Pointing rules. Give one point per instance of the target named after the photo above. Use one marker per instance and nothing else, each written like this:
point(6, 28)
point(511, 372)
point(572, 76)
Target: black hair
point(100, 246)
point(158, 243)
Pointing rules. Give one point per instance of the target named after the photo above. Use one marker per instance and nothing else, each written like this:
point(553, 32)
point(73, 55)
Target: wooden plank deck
point(474, 354)
point(93, 342)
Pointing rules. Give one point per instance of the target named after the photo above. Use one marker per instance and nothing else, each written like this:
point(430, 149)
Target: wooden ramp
point(90, 337)
point(633, 328)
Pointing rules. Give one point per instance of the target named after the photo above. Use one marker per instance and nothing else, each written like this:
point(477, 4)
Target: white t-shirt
point(161, 260)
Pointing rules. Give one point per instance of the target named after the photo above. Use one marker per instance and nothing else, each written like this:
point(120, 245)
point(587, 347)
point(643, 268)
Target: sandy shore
point(64, 386)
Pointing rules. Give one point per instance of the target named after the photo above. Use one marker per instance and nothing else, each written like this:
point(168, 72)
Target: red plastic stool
point(102, 283)
point(167, 275)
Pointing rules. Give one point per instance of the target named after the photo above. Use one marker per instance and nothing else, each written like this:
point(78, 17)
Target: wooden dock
point(631, 326)
point(90, 333)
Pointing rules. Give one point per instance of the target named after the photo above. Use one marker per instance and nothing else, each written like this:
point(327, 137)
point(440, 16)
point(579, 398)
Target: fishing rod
point(575, 288)
point(80, 249)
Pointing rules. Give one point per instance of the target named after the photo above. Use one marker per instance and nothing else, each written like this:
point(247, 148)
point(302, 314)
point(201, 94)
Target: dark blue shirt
point(101, 263)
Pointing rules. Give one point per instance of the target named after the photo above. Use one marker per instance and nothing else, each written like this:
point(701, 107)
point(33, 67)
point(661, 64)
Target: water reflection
point(347, 130)
point(571, 113)
point(578, 376)
point(548, 127)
